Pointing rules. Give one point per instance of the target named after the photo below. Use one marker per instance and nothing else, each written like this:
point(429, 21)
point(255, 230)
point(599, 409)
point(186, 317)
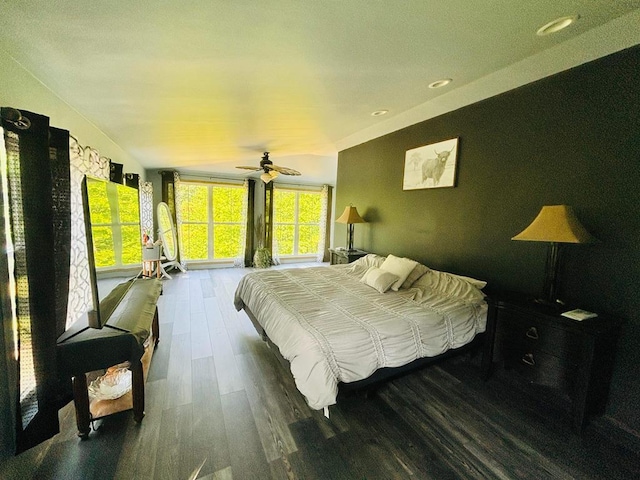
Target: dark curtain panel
point(61, 205)
point(132, 180)
point(168, 191)
point(169, 197)
point(249, 245)
point(268, 216)
point(115, 172)
point(39, 257)
point(8, 363)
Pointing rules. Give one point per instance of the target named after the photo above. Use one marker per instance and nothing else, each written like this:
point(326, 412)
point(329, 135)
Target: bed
point(337, 327)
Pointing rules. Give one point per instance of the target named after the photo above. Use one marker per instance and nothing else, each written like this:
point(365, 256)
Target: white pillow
point(415, 274)
point(473, 281)
point(401, 267)
point(369, 260)
point(379, 279)
point(449, 285)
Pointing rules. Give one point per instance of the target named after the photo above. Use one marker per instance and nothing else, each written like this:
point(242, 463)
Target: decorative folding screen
point(146, 208)
point(84, 161)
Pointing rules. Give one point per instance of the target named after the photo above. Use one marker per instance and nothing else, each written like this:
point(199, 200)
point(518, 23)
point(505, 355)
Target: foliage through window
point(296, 223)
point(212, 221)
point(115, 224)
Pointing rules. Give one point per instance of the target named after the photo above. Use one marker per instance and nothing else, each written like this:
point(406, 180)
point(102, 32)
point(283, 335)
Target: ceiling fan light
point(266, 178)
point(273, 174)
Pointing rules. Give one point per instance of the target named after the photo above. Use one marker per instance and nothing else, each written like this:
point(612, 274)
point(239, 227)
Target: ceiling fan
point(271, 171)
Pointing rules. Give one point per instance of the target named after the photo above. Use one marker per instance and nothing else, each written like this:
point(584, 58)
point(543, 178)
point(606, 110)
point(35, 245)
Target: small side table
point(573, 358)
point(339, 257)
point(151, 261)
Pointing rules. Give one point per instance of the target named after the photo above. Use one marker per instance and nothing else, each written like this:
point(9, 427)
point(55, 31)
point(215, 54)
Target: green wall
point(573, 138)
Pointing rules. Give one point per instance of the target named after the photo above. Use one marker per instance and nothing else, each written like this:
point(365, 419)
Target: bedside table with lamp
point(538, 339)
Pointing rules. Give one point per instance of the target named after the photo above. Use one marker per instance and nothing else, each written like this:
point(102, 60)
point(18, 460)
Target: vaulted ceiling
point(205, 85)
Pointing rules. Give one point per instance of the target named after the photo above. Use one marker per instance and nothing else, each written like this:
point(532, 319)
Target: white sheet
point(332, 328)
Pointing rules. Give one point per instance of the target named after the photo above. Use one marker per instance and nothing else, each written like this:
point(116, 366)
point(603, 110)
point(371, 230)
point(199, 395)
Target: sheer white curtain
point(324, 199)
point(178, 199)
point(242, 240)
point(84, 161)
point(275, 251)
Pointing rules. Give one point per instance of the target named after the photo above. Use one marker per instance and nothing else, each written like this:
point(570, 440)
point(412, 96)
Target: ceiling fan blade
point(283, 170)
point(255, 169)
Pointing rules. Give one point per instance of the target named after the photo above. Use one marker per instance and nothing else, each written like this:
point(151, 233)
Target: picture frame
point(431, 166)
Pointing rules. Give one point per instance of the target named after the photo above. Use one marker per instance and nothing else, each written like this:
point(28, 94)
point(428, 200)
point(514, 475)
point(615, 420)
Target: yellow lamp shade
point(350, 215)
point(556, 224)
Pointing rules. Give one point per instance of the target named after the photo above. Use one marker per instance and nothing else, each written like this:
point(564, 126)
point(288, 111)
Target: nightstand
point(339, 257)
point(572, 358)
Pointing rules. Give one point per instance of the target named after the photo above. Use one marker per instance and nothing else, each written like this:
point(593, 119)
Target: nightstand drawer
point(533, 334)
point(542, 369)
point(341, 256)
point(338, 259)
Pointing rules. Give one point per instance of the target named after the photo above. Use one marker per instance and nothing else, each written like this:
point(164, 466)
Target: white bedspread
point(332, 328)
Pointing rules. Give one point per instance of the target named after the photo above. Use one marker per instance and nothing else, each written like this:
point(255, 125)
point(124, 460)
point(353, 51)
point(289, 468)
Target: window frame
point(115, 225)
point(211, 223)
point(297, 223)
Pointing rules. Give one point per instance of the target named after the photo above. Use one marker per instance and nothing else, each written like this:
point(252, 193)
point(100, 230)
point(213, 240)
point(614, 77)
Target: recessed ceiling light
point(556, 25)
point(378, 113)
point(440, 83)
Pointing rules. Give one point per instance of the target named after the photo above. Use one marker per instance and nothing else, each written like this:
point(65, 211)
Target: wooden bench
point(82, 353)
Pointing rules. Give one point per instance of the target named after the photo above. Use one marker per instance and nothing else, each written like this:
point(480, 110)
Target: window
point(212, 225)
point(115, 224)
point(296, 224)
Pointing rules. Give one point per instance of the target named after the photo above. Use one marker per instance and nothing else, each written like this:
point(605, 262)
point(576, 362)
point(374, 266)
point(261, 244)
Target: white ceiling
point(204, 85)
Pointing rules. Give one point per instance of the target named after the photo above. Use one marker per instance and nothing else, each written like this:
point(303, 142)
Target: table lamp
point(350, 216)
point(557, 225)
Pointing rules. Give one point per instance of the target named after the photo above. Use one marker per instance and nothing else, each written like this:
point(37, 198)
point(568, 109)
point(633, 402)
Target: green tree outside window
point(211, 221)
point(297, 221)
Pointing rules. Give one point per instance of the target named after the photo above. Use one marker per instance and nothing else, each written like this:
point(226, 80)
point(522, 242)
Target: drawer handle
point(527, 358)
point(532, 333)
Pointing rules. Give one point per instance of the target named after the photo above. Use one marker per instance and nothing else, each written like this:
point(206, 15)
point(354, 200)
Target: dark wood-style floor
point(216, 396)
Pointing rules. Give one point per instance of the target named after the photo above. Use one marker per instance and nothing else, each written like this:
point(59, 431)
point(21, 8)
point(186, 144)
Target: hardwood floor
point(218, 398)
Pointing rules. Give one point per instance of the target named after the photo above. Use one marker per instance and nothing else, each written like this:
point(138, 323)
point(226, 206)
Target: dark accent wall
point(573, 138)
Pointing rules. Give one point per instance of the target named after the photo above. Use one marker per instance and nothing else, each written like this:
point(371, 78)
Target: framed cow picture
point(431, 166)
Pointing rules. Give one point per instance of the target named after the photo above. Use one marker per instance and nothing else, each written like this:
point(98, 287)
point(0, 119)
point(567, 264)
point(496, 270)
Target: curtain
point(242, 241)
point(178, 210)
point(249, 246)
point(8, 346)
point(61, 204)
point(171, 196)
point(270, 240)
point(84, 161)
point(36, 213)
point(132, 180)
point(324, 221)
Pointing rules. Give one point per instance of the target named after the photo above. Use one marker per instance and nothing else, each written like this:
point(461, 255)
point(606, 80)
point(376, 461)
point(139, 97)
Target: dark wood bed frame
point(484, 341)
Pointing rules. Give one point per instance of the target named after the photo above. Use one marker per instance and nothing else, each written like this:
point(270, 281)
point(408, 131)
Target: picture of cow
point(434, 167)
point(431, 166)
